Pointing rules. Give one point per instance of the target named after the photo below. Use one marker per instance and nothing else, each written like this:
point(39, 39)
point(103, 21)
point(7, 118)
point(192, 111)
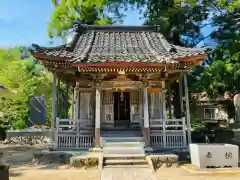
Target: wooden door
point(122, 109)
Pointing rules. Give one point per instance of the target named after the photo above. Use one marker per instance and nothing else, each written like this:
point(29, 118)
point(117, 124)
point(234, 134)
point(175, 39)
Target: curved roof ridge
point(112, 28)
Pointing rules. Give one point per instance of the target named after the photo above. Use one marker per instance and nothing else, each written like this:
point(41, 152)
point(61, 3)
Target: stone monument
point(236, 102)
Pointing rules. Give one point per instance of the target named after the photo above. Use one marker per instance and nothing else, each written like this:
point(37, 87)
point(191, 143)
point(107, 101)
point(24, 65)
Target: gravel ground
point(53, 173)
point(181, 174)
point(22, 168)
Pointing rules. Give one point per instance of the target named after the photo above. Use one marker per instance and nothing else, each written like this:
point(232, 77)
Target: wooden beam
point(200, 57)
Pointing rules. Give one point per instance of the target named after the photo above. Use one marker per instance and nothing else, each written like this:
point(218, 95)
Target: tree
point(220, 72)
point(100, 12)
point(27, 79)
point(179, 21)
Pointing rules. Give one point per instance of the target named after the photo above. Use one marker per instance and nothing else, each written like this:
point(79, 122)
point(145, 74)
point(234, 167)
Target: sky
point(23, 22)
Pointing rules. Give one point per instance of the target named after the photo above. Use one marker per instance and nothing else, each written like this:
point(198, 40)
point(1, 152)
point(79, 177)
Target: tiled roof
point(93, 44)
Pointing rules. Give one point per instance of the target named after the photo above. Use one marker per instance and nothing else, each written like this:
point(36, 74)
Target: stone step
point(122, 139)
point(124, 156)
point(123, 144)
point(123, 150)
point(110, 128)
point(127, 166)
point(121, 134)
point(125, 162)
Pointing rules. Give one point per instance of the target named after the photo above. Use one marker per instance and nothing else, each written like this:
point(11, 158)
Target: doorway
point(121, 109)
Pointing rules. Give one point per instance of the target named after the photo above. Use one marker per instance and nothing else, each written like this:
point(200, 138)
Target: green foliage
point(222, 68)
point(26, 79)
point(179, 22)
point(99, 12)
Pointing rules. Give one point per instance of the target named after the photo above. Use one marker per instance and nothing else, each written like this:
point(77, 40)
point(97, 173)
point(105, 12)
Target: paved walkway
point(127, 174)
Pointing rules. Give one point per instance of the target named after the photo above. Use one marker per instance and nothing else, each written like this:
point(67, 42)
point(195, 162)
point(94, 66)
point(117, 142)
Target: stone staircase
point(123, 148)
point(122, 142)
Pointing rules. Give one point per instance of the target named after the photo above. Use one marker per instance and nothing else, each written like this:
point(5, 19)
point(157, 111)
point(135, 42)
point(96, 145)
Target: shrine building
point(121, 78)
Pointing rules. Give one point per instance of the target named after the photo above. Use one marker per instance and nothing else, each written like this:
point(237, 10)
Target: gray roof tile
point(93, 44)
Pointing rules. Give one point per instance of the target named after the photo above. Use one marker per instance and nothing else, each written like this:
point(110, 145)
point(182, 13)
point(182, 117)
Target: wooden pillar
point(66, 101)
point(170, 101)
point(76, 111)
point(93, 98)
point(54, 96)
point(187, 110)
point(182, 109)
point(58, 107)
point(76, 102)
point(146, 129)
point(181, 93)
point(97, 116)
point(73, 105)
point(165, 117)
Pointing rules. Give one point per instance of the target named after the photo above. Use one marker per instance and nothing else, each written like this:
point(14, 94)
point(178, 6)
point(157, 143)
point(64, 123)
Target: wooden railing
point(74, 134)
point(170, 133)
point(74, 141)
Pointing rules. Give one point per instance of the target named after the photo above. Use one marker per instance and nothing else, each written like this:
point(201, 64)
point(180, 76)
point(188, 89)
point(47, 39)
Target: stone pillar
point(97, 116)
point(54, 98)
point(187, 110)
point(146, 129)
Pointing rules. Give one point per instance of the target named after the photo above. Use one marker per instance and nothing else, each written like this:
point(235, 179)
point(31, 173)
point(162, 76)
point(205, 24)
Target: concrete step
point(123, 150)
point(123, 144)
point(125, 162)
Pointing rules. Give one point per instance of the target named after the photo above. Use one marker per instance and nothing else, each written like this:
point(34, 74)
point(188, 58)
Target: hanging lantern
point(122, 96)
